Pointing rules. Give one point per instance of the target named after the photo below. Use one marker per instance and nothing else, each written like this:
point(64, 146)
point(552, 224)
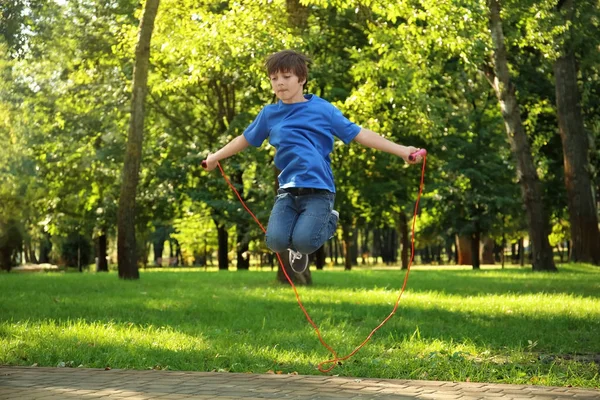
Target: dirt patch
point(36, 268)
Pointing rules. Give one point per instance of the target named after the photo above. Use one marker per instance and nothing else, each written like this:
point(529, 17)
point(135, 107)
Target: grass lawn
point(493, 325)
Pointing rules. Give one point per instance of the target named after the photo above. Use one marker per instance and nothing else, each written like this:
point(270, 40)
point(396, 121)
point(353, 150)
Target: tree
point(11, 209)
point(583, 216)
point(499, 78)
point(126, 241)
point(65, 86)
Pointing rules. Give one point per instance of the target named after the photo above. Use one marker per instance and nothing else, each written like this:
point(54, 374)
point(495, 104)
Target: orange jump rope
point(337, 359)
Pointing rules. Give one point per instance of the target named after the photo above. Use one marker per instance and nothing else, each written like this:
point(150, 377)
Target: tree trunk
point(10, 243)
point(143, 246)
point(503, 254)
point(475, 239)
point(521, 252)
point(223, 239)
point(243, 262)
point(404, 240)
point(45, 248)
point(449, 252)
point(174, 253)
point(32, 255)
point(158, 247)
point(102, 244)
point(463, 249)
point(126, 242)
point(347, 241)
point(320, 257)
point(305, 278)
point(388, 243)
point(243, 258)
point(487, 251)
point(537, 219)
point(393, 243)
point(29, 251)
point(365, 249)
point(582, 210)
point(336, 250)
point(5, 258)
point(456, 253)
point(354, 247)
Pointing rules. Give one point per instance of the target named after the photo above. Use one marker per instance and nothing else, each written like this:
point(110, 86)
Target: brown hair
point(288, 61)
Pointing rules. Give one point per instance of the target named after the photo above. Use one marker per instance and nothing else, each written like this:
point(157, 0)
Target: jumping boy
point(302, 129)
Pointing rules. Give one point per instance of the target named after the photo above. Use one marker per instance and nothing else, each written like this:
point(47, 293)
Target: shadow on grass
point(247, 355)
point(256, 311)
point(254, 325)
point(245, 317)
point(471, 282)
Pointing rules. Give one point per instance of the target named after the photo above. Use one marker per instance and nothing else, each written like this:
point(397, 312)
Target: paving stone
point(66, 383)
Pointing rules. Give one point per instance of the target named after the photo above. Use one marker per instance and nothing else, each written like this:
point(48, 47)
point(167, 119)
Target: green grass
point(493, 325)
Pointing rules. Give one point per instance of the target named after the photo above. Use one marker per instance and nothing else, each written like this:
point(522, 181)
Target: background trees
point(415, 71)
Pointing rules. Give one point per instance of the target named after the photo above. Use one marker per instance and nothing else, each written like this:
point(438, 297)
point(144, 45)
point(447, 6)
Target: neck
point(298, 98)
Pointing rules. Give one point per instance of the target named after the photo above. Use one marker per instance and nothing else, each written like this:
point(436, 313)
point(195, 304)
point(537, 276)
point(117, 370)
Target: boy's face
point(287, 87)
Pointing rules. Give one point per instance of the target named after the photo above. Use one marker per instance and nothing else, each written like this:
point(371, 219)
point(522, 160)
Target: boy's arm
point(235, 146)
point(371, 139)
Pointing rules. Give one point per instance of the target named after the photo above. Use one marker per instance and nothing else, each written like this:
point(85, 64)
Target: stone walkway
point(26, 383)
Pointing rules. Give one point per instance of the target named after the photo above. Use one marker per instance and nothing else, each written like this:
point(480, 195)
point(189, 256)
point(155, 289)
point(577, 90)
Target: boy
point(302, 129)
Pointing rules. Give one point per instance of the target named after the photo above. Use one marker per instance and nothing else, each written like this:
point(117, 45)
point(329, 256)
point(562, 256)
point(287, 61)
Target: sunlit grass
point(492, 325)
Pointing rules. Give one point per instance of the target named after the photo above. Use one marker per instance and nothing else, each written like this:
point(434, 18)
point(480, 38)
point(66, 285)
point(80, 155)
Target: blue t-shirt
point(303, 135)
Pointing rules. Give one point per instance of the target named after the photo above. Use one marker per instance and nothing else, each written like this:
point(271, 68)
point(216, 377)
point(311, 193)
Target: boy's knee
point(305, 245)
point(276, 243)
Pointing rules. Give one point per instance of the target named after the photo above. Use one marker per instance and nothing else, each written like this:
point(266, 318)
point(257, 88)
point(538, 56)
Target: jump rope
point(336, 360)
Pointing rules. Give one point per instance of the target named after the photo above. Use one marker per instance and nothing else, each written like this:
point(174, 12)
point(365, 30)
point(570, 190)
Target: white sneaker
point(298, 261)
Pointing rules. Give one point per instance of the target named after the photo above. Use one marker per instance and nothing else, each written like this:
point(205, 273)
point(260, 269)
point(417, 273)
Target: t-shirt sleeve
point(258, 130)
point(342, 127)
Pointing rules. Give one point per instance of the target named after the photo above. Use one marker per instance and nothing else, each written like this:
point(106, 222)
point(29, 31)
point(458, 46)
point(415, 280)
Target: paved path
point(27, 383)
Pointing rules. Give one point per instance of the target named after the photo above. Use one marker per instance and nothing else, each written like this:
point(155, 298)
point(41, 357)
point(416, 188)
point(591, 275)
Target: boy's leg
point(281, 222)
point(316, 223)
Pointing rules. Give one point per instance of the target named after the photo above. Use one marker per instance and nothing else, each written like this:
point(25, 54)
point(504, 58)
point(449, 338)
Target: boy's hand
point(210, 163)
point(410, 150)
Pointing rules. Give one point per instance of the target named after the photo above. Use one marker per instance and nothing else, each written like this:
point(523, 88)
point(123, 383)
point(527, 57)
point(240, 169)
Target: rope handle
point(418, 153)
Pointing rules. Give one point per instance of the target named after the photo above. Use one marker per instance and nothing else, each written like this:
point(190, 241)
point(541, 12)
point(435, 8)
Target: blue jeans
point(302, 223)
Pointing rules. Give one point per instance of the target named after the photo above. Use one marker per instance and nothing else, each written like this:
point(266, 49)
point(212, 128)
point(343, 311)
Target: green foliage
point(71, 107)
point(12, 206)
point(560, 233)
point(195, 232)
point(409, 70)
